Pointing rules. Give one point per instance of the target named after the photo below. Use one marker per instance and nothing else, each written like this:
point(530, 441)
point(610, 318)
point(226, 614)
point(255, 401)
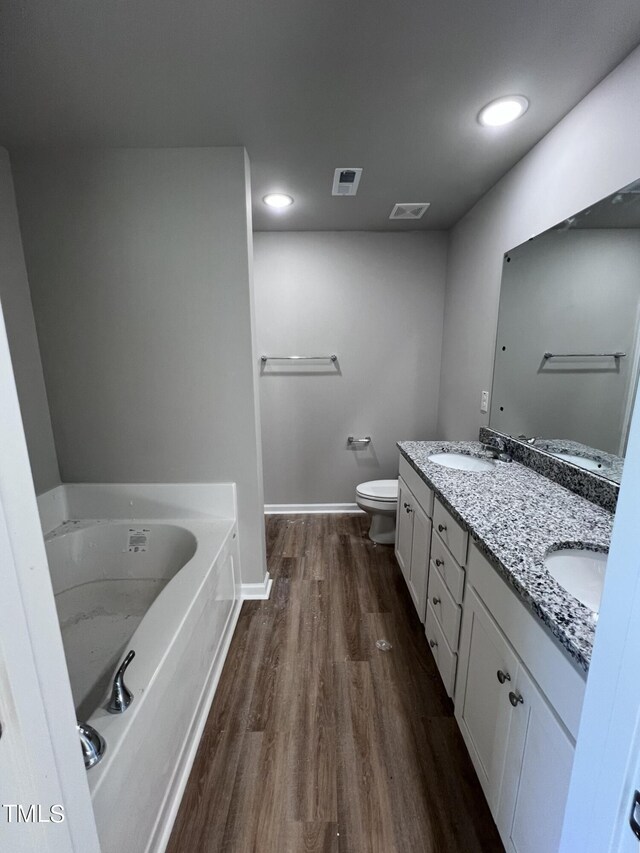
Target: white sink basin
point(582, 461)
point(580, 572)
point(462, 462)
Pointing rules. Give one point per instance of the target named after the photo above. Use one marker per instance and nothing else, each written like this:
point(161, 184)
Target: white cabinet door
point(404, 528)
point(421, 545)
point(482, 706)
point(537, 773)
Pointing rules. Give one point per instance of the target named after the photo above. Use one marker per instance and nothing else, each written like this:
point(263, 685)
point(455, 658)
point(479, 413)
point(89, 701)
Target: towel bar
point(299, 358)
point(584, 355)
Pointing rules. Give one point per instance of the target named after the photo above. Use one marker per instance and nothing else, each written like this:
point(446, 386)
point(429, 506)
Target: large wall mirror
point(568, 342)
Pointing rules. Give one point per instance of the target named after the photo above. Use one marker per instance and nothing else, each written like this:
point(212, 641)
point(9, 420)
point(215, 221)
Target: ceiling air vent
point(409, 211)
point(345, 181)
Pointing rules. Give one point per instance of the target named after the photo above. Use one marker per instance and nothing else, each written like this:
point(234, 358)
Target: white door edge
point(40, 759)
point(605, 771)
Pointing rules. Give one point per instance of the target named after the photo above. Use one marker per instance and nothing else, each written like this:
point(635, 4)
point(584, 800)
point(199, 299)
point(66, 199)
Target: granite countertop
point(611, 465)
point(516, 516)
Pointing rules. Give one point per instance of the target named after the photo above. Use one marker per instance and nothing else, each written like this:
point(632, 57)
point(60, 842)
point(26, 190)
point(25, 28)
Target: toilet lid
point(380, 490)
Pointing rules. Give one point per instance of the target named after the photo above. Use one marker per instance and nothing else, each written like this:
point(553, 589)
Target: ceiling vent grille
point(409, 211)
point(345, 181)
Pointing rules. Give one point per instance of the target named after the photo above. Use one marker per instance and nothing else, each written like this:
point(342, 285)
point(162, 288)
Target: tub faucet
point(121, 696)
point(92, 743)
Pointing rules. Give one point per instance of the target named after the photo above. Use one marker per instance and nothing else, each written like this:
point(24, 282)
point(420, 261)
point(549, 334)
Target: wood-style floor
point(319, 741)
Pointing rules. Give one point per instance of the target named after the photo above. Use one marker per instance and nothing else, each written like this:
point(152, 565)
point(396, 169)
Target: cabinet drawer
point(450, 571)
point(446, 660)
point(447, 612)
point(453, 536)
point(422, 493)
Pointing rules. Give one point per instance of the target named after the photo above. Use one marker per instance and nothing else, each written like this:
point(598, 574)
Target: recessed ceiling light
point(278, 200)
point(503, 110)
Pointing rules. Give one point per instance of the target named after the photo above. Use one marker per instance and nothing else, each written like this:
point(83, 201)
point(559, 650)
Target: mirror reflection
point(568, 342)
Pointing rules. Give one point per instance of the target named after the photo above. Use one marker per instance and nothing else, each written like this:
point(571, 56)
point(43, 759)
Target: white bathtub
point(168, 588)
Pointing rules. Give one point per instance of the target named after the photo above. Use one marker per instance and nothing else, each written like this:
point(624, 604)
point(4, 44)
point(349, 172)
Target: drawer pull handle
point(433, 644)
point(408, 508)
point(439, 562)
point(435, 599)
point(515, 699)
point(503, 676)
point(442, 527)
point(405, 505)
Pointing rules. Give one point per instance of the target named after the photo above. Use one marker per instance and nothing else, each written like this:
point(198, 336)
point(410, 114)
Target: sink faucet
point(498, 448)
point(531, 441)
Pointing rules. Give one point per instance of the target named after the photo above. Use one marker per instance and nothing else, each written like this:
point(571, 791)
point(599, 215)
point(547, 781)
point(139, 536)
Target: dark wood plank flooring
point(317, 740)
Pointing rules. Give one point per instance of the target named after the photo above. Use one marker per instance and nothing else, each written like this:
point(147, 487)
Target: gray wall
point(23, 344)
point(591, 153)
point(376, 300)
point(567, 291)
point(139, 267)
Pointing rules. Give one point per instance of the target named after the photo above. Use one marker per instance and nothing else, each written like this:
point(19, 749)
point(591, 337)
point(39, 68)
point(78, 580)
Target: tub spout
point(121, 696)
point(92, 743)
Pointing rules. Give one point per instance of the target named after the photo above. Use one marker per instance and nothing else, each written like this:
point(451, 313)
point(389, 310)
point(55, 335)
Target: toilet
point(379, 499)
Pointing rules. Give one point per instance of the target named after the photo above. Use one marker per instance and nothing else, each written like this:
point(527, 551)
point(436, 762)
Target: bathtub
point(168, 588)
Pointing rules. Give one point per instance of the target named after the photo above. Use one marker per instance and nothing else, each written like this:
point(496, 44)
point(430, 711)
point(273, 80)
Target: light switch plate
point(484, 402)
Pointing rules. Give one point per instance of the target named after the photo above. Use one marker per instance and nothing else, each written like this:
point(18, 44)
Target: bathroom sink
point(462, 462)
point(581, 461)
point(580, 572)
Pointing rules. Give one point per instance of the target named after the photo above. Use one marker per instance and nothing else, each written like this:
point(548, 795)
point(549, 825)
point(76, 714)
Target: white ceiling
point(311, 85)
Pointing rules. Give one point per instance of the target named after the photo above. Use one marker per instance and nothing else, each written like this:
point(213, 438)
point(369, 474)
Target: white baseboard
point(162, 831)
point(260, 590)
point(309, 509)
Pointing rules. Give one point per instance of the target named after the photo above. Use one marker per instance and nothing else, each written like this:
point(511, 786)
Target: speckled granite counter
point(610, 466)
point(516, 516)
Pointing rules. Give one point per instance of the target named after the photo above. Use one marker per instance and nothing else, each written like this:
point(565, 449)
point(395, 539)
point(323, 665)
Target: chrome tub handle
point(121, 696)
point(92, 743)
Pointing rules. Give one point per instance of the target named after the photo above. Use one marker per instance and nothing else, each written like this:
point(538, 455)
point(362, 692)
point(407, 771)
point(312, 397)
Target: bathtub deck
point(318, 741)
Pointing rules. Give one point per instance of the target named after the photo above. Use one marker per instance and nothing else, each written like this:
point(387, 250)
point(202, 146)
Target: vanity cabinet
point(488, 667)
point(520, 737)
point(418, 577)
point(446, 592)
point(431, 550)
point(453, 536)
point(413, 534)
point(536, 774)
point(404, 529)
point(447, 612)
point(450, 569)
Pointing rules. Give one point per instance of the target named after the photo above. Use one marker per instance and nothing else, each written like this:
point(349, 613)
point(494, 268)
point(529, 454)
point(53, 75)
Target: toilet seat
point(379, 491)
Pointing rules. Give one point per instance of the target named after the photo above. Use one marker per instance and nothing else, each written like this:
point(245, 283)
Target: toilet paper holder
point(358, 442)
